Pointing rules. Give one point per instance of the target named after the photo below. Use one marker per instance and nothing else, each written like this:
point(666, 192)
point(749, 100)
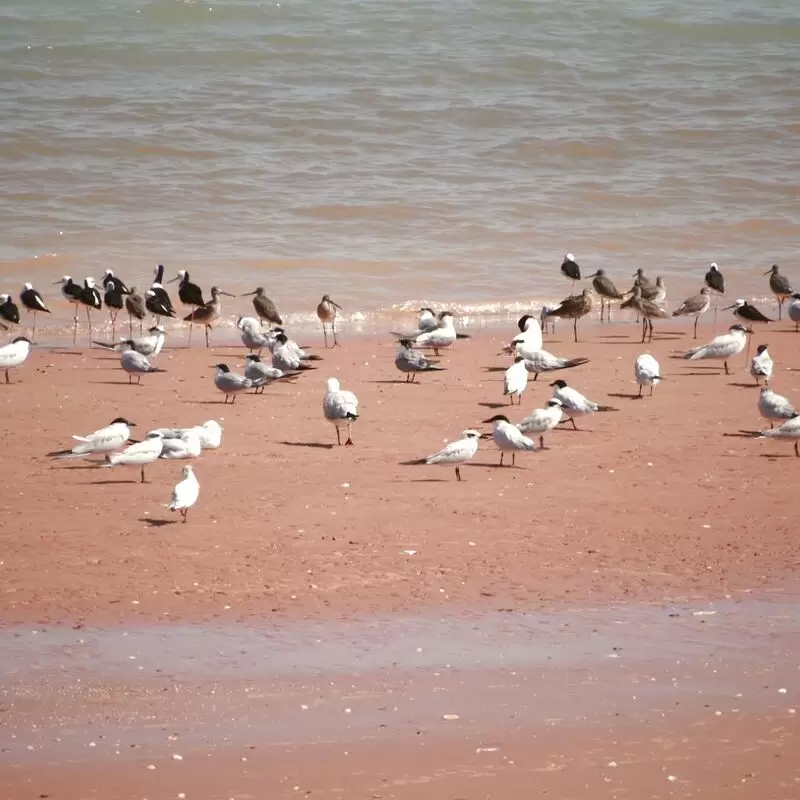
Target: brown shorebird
point(210, 312)
point(570, 269)
point(647, 309)
point(657, 293)
point(574, 308)
point(32, 301)
point(264, 307)
point(780, 286)
point(326, 311)
point(605, 288)
point(695, 305)
point(134, 305)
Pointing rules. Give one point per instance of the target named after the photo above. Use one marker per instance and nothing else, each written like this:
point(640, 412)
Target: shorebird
point(530, 334)
point(774, 406)
point(156, 299)
point(761, 365)
point(694, 306)
point(190, 294)
point(509, 438)
point(788, 430)
point(9, 311)
point(178, 448)
point(14, 354)
point(715, 281)
point(570, 269)
point(340, 408)
point(326, 312)
point(147, 345)
point(138, 455)
point(210, 312)
point(262, 374)
point(457, 452)
point(135, 363)
point(210, 434)
point(105, 440)
point(114, 298)
point(33, 302)
point(265, 308)
point(574, 308)
point(542, 420)
point(292, 346)
point(515, 381)
point(90, 299)
point(543, 317)
point(656, 293)
point(427, 320)
point(109, 275)
point(285, 356)
point(541, 361)
point(647, 309)
point(410, 361)
point(444, 335)
point(185, 493)
point(641, 280)
point(722, 347)
point(780, 286)
point(230, 383)
point(573, 403)
point(134, 305)
point(793, 310)
point(71, 292)
point(647, 372)
point(747, 313)
point(606, 290)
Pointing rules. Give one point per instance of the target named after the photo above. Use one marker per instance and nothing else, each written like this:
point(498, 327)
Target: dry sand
point(659, 501)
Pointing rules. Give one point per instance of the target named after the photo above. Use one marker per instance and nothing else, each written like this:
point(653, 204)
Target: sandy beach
point(660, 503)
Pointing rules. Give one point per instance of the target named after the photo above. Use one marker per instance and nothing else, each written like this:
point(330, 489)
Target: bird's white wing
point(454, 451)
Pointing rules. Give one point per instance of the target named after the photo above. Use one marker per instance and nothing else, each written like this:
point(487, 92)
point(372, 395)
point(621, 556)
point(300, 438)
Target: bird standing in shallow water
point(33, 302)
point(71, 292)
point(780, 286)
point(606, 291)
point(265, 308)
point(570, 270)
point(326, 312)
point(210, 312)
point(114, 298)
point(574, 308)
point(9, 311)
point(90, 299)
point(156, 299)
point(190, 294)
point(134, 305)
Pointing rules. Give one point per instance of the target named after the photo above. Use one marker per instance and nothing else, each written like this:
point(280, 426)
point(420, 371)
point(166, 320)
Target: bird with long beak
point(326, 313)
point(210, 312)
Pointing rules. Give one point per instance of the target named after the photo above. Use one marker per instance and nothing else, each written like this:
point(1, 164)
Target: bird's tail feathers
point(752, 433)
point(312, 358)
point(463, 336)
point(65, 454)
point(607, 408)
point(575, 362)
point(108, 345)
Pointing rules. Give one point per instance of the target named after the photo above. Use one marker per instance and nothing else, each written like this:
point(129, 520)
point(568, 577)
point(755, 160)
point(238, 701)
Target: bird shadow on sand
point(702, 374)
point(206, 402)
point(399, 380)
point(58, 352)
point(319, 445)
point(158, 523)
point(772, 456)
point(496, 405)
point(741, 435)
point(495, 369)
point(113, 383)
point(495, 465)
point(745, 385)
point(430, 480)
point(629, 396)
point(112, 483)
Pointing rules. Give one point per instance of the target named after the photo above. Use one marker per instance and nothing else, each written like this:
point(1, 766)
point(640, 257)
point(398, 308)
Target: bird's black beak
point(227, 294)
point(132, 425)
point(172, 280)
point(729, 307)
point(247, 294)
point(591, 276)
point(768, 272)
point(336, 305)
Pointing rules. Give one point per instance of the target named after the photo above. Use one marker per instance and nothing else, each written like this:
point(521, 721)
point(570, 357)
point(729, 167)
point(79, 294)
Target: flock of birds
point(435, 332)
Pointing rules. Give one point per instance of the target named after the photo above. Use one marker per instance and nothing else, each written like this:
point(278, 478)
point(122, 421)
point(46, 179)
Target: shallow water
point(446, 152)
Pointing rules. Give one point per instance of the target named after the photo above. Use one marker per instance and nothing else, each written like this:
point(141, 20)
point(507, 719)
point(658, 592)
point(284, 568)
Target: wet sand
point(659, 502)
